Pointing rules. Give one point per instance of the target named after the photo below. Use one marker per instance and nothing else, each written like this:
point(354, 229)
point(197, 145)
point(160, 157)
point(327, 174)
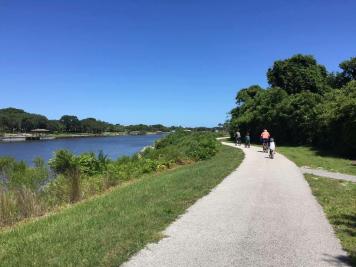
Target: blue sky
point(172, 62)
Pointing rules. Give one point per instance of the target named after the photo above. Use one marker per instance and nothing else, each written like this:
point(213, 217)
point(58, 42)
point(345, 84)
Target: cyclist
point(265, 138)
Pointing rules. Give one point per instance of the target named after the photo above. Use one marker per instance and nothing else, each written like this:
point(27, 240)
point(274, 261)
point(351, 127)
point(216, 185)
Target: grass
point(338, 199)
point(306, 156)
point(107, 230)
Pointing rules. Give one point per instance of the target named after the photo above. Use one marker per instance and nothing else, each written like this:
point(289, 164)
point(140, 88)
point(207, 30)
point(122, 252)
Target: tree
point(258, 113)
point(12, 119)
point(298, 73)
point(71, 123)
point(298, 115)
point(55, 126)
point(302, 110)
point(349, 69)
point(249, 93)
point(340, 79)
point(337, 120)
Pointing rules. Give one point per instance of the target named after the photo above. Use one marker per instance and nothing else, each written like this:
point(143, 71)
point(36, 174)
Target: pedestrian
point(238, 138)
point(247, 140)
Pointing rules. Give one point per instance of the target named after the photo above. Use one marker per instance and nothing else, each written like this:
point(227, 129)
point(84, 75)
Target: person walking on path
point(238, 137)
point(247, 140)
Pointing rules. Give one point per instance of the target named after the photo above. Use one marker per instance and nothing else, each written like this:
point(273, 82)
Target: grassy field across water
point(107, 230)
point(337, 198)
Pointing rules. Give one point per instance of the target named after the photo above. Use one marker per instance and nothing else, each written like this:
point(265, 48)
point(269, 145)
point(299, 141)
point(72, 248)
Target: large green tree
point(12, 119)
point(296, 118)
point(348, 73)
point(248, 93)
point(91, 125)
point(302, 109)
point(71, 123)
point(349, 69)
point(337, 120)
point(298, 73)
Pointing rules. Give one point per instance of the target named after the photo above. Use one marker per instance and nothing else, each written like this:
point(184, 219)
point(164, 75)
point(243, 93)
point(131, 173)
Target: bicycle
point(265, 146)
point(271, 154)
point(238, 141)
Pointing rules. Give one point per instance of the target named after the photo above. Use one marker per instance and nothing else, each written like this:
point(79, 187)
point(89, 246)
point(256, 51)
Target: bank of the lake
point(107, 230)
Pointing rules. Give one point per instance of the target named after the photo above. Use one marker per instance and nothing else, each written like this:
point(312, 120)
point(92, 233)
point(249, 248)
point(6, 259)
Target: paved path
point(263, 214)
point(333, 175)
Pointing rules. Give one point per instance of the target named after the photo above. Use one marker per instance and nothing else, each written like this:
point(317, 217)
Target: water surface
point(114, 147)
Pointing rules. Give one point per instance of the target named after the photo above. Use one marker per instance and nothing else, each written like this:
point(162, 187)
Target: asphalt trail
point(263, 214)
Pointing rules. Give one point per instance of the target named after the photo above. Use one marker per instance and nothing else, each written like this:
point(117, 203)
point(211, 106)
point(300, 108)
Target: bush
point(64, 162)
point(183, 146)
point(17, 174)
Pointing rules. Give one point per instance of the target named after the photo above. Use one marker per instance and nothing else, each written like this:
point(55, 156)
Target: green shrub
point(90, 164)
point(64, 162)
point(15, 174)
point(182, 146)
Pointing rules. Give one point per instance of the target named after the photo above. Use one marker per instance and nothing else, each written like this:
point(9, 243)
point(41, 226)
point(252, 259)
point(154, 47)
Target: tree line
point(18, 120)
point(304, 105)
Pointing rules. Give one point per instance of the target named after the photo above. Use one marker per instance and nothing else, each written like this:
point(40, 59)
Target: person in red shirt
point(265, 138)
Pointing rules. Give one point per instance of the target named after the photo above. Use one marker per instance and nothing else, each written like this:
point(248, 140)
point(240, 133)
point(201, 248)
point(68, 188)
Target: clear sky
point(147, 61)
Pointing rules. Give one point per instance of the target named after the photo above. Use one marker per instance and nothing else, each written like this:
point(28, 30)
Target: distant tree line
point(17, 120)
point(14, 120)
point(304, 105)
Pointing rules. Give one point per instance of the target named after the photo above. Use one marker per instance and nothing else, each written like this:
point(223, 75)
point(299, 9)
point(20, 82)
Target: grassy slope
point(306, 156)
point(338, 199)
point(106, 230)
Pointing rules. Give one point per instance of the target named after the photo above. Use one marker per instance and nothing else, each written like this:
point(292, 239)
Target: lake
point(113, 146)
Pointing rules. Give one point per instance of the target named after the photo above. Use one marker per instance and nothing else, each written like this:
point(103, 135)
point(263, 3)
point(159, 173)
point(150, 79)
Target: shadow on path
point(339, 259)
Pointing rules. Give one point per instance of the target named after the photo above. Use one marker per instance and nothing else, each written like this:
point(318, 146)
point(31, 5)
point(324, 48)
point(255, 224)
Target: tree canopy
point(303, 106)
point(18, 120)
point(298, 73)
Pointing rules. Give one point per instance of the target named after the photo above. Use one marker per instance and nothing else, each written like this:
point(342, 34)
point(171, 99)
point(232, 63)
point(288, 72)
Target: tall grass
point(19, 204)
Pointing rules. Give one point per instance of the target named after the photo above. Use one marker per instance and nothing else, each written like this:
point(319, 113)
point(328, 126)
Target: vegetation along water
point(68, 178)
